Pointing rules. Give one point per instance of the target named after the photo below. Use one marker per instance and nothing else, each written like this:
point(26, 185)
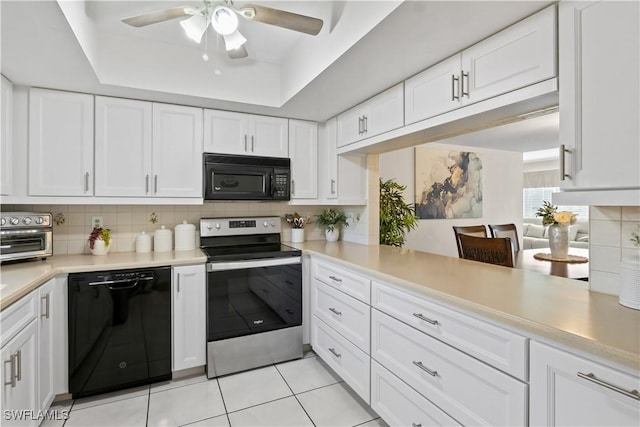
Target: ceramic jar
point(559, 240)
point(143, 243)
point(297, 235)
point(99, 248)
point(332, 235)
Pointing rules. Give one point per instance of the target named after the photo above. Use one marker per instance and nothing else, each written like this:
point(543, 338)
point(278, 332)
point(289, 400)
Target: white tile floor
point(303, 392)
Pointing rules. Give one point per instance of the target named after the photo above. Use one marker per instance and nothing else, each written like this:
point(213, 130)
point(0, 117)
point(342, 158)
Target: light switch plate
point(96, 221)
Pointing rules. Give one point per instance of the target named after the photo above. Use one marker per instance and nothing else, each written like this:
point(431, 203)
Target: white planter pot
point(332, 235)
point(99, 248)
point(297, 235)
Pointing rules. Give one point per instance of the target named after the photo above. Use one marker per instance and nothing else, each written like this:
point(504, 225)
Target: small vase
point(99, 248)
point(297, 235)
point(332, 235)
point(559, 241)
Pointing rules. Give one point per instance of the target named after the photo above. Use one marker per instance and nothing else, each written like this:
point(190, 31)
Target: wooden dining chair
point(491, 250)
point(470, 230)
point(506, 230)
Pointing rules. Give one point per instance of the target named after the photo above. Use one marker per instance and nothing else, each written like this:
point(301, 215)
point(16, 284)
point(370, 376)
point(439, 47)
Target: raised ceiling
point(363, 48)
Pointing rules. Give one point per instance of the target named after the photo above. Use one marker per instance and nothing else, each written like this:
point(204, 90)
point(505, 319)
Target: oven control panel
point(239, 226)
point(25, 220)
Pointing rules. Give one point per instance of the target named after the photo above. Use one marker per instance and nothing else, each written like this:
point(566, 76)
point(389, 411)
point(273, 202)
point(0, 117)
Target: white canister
point(162, 240)
point(143, 243)
point(185, 237)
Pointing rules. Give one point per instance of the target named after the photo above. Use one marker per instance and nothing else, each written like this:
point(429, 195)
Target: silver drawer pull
point(335, 353)
point(335, 279)
point(12, 369)
point(416, 425)
point(19, 368)
point(334, 311)
point(634, 394)
point(426, 319)
point(46, 306)
point(424, 368)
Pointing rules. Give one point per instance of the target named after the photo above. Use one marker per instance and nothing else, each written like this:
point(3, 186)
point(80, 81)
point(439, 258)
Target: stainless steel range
point(25, 235)
point(254, 294)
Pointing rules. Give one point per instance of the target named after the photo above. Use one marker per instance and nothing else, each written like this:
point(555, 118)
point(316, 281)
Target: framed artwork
point(448, 184)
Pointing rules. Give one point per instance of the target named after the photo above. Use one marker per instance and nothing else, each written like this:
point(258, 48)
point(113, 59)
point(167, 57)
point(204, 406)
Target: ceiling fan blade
point(280, 18)
point(238, 53)
point(159, 16)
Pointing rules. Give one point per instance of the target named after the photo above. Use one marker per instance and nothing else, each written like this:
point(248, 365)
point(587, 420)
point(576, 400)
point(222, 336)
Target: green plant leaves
point(396, 216)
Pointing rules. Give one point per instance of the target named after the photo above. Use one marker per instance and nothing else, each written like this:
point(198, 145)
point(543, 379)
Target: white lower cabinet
point(400, 405)
point(188, 315)
point(48, 295)
point(468, 390)
point(568, 390)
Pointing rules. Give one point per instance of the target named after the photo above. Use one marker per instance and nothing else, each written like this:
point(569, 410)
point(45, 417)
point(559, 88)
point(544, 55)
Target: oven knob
point(2, 222)
point(14, 221)
point(273, 223)
point(265, 224)
point(26, 220)
point(39, 220)
point(217, 226)
point(209, 227)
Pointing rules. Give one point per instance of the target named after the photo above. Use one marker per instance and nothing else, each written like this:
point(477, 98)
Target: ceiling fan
point(223, 18)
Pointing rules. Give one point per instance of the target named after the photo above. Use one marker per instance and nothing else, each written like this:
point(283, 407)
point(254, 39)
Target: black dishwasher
point(119, 329)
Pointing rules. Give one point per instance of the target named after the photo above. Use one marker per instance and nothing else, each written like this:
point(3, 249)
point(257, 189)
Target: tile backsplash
point(610, 229)
point(127, 221)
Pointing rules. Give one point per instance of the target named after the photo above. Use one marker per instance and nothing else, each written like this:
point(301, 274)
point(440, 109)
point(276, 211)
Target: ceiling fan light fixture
point(194, 27)
point(234, 40)
point(224, 20)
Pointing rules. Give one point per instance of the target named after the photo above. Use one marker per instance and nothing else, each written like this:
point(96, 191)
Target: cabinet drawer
point(465, 388)
point(351, 284)
point(18, 315)
point(498, 347)
point(400, 405)
point(350, 317)
point(351, 363)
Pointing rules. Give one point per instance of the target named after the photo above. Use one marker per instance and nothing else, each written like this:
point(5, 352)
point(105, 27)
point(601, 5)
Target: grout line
point(224, 404)
point(179, 386)
point(148, 406)
point(296, 397)
point(373, 419)
point(322, 386)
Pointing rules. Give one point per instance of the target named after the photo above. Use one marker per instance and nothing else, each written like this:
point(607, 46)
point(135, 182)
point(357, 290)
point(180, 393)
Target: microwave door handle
point(272, 192)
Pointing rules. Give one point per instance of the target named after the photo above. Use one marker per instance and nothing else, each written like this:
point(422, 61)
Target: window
point(532, 199)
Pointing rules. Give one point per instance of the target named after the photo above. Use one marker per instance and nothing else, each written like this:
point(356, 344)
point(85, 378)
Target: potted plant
point(297, 223)
point(396, 216)
point(99, 241)
point(331, 219)
point(558, 230)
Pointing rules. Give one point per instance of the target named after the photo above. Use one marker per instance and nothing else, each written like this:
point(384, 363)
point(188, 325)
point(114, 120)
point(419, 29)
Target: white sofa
point(534, 234)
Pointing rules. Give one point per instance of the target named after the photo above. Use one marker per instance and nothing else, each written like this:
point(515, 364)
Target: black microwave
point(229, 177)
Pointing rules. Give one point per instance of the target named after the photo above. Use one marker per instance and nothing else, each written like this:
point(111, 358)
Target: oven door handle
point(241, 265)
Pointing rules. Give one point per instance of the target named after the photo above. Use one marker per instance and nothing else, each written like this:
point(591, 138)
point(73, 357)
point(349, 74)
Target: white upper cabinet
point(60, 143)
point(227, 132)
point(518, 56)
point(147, 149)
point(303, 149)
point(382, 113)
point(177, 151)
point(328, 160)
point(599, 96)
point(123, 147)
point(6, 157)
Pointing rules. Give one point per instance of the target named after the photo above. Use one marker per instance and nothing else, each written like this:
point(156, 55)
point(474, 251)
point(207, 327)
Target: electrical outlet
point(96, 221)
point(352, 218)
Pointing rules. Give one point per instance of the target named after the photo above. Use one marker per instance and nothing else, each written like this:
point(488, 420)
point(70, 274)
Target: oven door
point(249, 297)
point(21, 244)
point(237, 182)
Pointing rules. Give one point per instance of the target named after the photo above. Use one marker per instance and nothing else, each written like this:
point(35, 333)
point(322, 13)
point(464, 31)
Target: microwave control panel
point(280, 185)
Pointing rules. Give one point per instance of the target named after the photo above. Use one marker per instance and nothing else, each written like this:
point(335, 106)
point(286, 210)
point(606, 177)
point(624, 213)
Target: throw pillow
point(535, 230)
point(573, 232)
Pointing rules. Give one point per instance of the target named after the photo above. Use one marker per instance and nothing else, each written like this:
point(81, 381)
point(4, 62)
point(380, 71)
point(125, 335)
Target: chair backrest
point(470, 230)
point(491, 250)
point(506, 230)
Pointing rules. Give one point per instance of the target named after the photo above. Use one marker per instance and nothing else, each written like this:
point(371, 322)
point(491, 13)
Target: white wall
point(502, 195)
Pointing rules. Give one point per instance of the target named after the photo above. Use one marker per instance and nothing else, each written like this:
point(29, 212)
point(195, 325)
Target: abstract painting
point(448, 184)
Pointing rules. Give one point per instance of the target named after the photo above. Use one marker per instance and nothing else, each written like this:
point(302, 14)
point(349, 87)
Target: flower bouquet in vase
point(558, 230)
point(297, 223)
point(99, 241)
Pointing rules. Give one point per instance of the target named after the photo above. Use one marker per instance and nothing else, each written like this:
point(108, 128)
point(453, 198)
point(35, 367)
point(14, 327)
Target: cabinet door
point(434, 91)
point(268, 136)
point(46, 341)
point(384, 112)
point(123, 147)
point(560, 396)
point(20, 377)
point(189, 317)
point(303, 149)
point(599, 94)
point(6, 157)
point(518, 56)
point(350, 126)
point(177, 151)
point(352, 179)
point(60, 143)
point(226, 132)
point(328, 160)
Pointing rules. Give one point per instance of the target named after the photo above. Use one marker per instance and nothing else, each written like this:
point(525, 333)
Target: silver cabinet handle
point(155, 184)
point(252, 143)
point(335, 353)
point(293, 186)
point(360, 121)
point(416, 425)
point(146, 184)
point(12, 370)
point(19, 364)
point(46, 306)
point(424, 368)
point(563, 172)
point(86, 182)
point(426, 319)
point(333, 186)
point(245, 143)
point(634, 394)
point(335, 279)
point(178, 284)
point(334, 311)
point(462, 92)
point(366, 124)
point(454, 80)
